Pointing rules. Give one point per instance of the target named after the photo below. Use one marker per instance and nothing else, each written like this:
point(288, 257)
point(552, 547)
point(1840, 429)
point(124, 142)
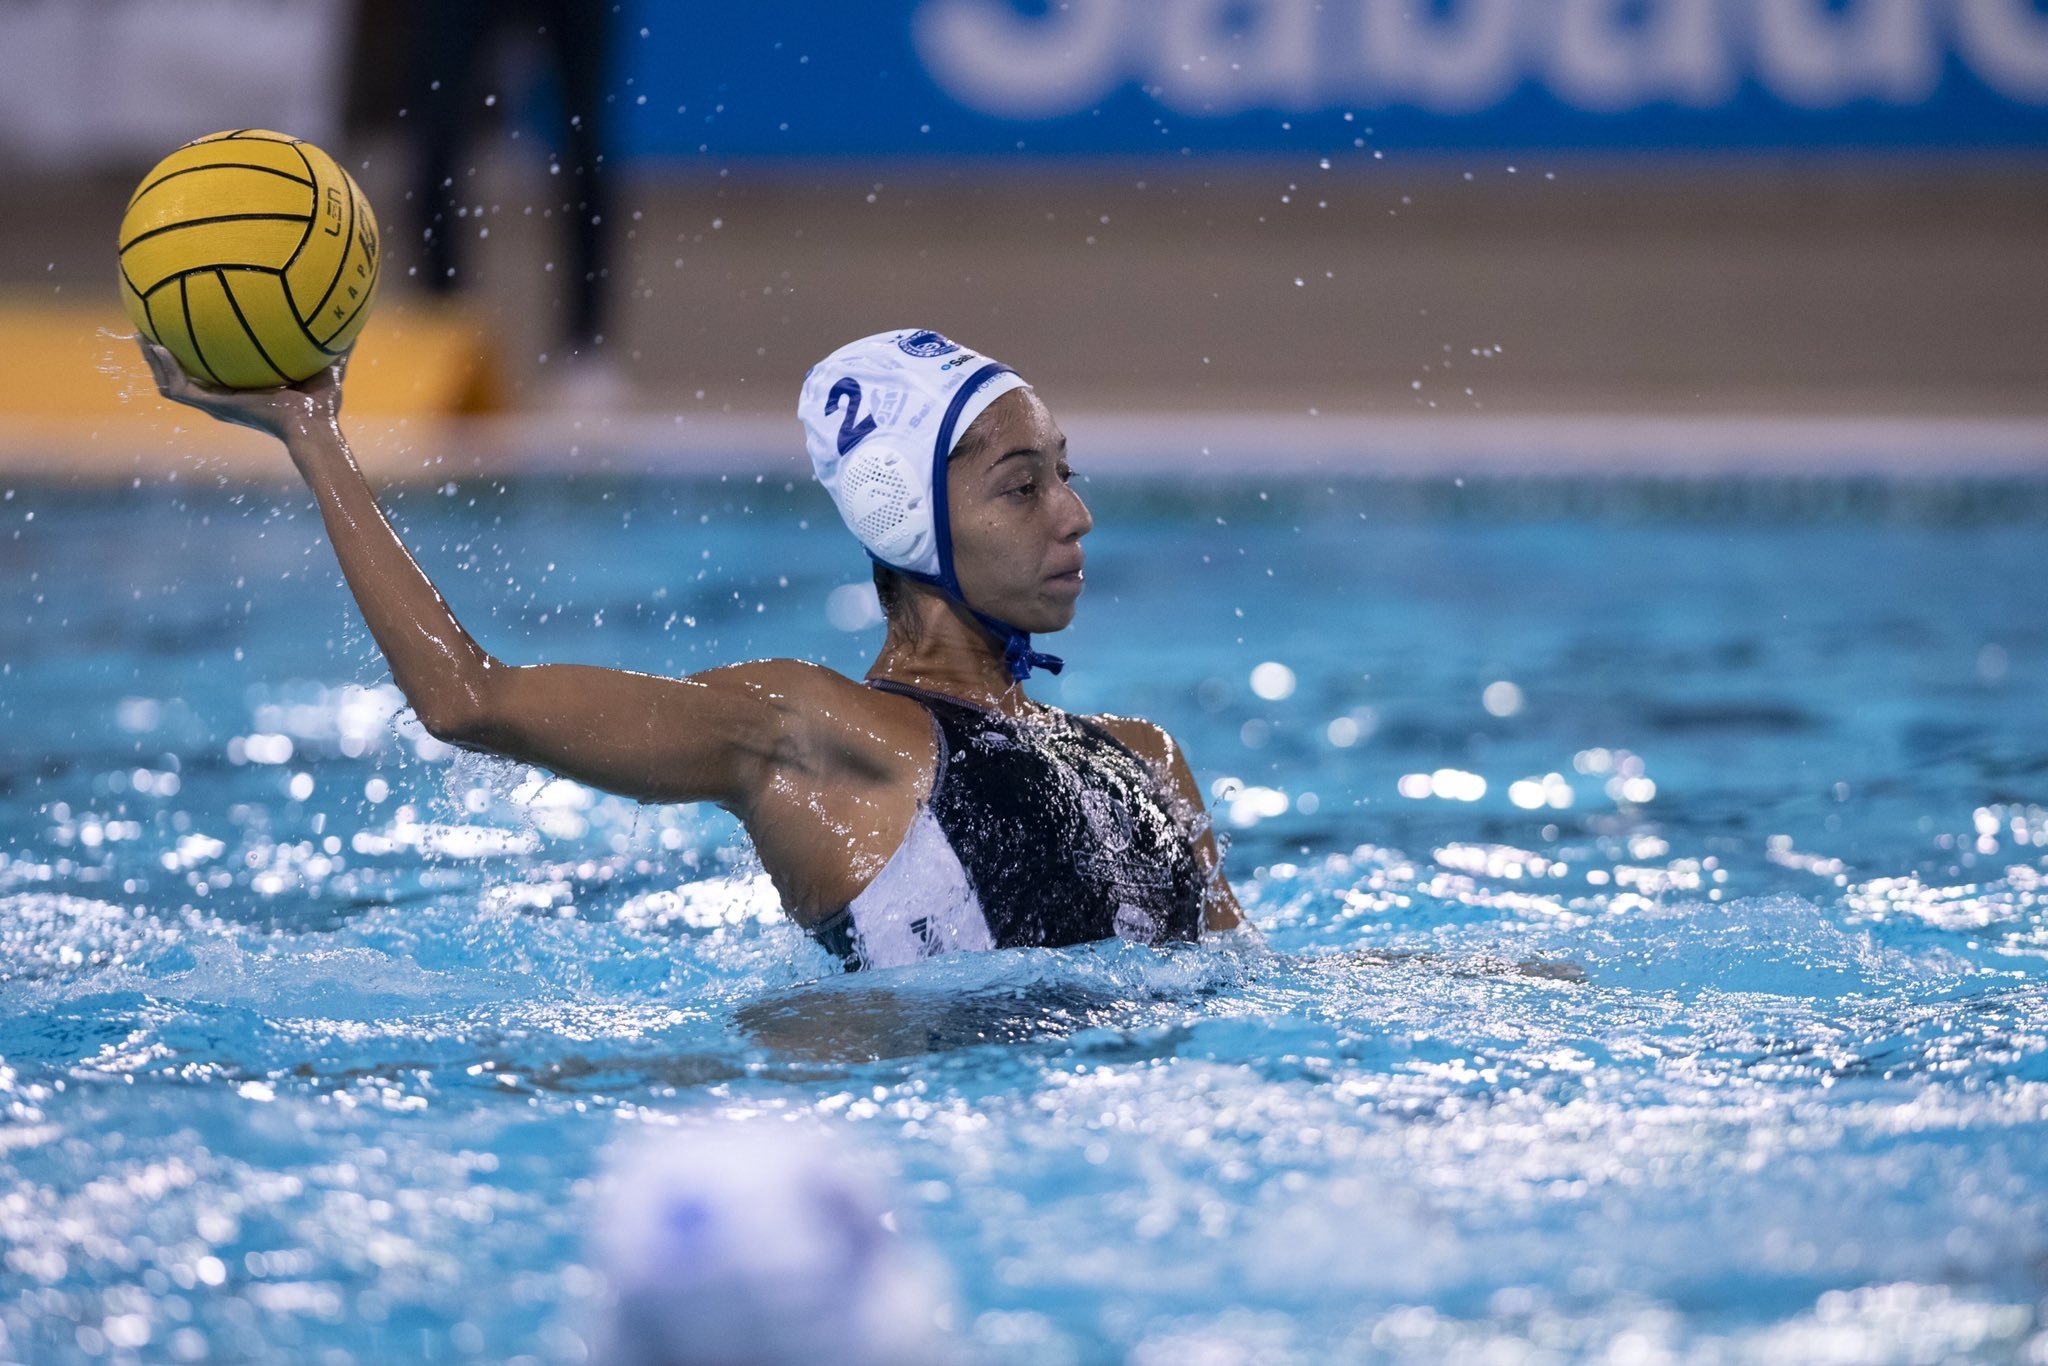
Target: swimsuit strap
point(926, 695)
point(1087, 725)
point(940, 749)
point(928, 698)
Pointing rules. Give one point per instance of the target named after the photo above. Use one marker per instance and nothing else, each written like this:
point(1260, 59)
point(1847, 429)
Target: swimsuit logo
point(1108, 821)
point(925, 345)
point(1135, 924)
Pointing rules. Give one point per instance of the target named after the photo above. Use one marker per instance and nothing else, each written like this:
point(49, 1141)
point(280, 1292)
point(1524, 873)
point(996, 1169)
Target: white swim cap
point(762, 1244)
point(881, 416)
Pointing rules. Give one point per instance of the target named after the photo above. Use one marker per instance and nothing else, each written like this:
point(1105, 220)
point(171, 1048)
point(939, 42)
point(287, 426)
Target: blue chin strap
point(1017, 651)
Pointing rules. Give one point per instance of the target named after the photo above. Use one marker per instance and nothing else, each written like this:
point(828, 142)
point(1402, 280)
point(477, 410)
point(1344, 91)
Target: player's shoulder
point(1146, 739)
point(793, 677)
point(793, 685)
point(816, 700)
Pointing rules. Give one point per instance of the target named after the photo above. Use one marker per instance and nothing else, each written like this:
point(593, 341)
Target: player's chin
point(1048, 605)
point(1054, 612)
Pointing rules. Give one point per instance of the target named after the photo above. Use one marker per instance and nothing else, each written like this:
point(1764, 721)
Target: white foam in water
point(52, 939)
point(1777, 945)
point(297, 980)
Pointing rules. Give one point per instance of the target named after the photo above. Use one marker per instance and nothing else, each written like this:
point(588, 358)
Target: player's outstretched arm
point(713, 737)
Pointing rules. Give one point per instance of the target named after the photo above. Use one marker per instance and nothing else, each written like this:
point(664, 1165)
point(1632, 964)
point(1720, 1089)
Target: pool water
point(314, 1036)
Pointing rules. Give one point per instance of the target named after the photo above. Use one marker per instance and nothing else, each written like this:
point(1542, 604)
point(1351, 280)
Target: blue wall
point(805, 78)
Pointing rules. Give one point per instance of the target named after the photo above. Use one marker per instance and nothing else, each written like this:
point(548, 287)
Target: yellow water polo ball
point(251, 256)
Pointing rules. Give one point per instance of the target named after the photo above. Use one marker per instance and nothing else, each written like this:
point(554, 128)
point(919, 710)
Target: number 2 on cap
point(851, 433)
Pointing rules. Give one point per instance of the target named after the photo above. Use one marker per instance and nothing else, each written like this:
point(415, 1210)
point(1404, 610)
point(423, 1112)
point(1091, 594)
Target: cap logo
point(925, 345)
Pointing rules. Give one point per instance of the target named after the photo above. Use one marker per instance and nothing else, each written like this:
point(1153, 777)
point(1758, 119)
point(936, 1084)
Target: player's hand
point(308, 405)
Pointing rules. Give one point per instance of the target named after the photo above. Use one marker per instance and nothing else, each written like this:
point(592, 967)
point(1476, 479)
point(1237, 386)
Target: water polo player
point(933, 807)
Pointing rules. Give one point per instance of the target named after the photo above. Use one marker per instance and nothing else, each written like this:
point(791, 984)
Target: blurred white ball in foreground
point(762, 1245)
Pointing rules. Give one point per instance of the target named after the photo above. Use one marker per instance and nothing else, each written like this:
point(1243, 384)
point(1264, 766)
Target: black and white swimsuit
point(1039, 831)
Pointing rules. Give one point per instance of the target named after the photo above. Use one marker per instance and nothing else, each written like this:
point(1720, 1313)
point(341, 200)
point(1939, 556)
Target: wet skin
point(825, 773)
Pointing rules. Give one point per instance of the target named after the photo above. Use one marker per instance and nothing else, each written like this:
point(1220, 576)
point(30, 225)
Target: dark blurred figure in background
point(455, 40)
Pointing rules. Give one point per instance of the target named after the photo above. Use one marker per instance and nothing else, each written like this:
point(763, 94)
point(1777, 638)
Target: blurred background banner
point(85, 83)
point(1186, 77)
point(1418, 234)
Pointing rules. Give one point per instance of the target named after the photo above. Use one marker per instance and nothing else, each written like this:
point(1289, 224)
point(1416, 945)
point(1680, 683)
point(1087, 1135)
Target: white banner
point(88, 83)
point(1213, 58)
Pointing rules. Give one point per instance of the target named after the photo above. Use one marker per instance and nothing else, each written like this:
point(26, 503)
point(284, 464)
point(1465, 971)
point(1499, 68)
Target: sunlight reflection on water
point(316, 1035)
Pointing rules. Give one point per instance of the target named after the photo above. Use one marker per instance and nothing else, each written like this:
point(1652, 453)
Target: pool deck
point(1562, 316)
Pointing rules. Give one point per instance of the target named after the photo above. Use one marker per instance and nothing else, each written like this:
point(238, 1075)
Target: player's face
point(1017, 522)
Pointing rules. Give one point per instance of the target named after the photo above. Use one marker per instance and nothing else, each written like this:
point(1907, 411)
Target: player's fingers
point(171, 380)
point(175, 384)
point(159, 369)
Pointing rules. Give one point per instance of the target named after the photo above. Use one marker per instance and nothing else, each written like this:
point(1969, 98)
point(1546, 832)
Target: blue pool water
point(314, 1038)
